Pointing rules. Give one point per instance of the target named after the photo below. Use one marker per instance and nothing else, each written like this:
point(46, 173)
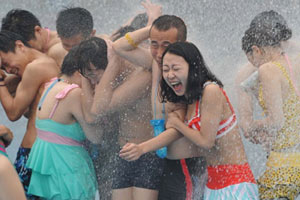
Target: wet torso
point(135, 119)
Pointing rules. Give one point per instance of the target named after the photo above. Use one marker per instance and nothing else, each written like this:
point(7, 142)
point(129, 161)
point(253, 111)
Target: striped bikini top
point(225, 126)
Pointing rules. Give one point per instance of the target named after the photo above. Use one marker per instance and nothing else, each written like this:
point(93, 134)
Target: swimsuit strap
point(62, 94)
point(227, 99)
point(223, 91)
point(285, 73)
point(54, 81)
point(155, 97)
point(48, 37)
point(292, 74)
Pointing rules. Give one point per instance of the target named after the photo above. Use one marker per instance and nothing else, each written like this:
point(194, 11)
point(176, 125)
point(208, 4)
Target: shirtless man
point(165, 30)
point(35, 69)
point(29, 27)
point(129, 98)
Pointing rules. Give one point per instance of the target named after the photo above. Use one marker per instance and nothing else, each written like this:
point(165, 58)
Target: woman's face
point(256, 56)
point(93, 74)
point(175, 71)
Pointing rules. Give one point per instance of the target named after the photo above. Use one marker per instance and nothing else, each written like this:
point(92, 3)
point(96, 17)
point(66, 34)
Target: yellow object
point(130, 40)
point(288, 136)
point(282, 176)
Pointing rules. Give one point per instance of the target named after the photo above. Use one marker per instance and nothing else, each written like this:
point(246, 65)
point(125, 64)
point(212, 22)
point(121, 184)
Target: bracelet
point(2, 85)
point(130, 40)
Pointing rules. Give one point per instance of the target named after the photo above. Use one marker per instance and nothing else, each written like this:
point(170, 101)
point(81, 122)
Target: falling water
point(215, 26)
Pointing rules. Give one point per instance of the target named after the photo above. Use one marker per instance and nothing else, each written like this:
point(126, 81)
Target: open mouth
point(177, 86)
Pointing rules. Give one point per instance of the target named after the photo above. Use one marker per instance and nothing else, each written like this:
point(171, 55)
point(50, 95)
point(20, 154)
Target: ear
point(256, 49)
point(37, 29)
point(19, 45)
point(93, 33)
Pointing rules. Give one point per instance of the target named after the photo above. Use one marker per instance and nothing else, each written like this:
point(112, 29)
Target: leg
point(147, 177)
point(145, 194)
point(123, 194)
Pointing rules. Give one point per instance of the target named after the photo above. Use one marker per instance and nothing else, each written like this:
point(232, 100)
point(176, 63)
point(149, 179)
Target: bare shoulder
point(75, 93)
point(5, 165)
point(268, 69)
point(44, 65)
point(57, 50)
point(74, 97)
point(212, 93)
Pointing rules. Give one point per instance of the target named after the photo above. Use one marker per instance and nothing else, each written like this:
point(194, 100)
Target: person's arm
point(10, 185)
point(211, 112)
point(33, 77)
point(132, 151)
point(127, 46)
point(87, 98)
point(153, 11)
point(135, 54)
point(108, 99)
point(244, 104)
point(92, 131)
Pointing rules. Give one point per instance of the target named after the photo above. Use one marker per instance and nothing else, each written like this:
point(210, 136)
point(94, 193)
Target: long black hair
point(198, 74)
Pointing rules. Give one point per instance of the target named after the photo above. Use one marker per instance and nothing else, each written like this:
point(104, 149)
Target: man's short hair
point(8, 41)
point(74, 21)
point(21, 22)
point(166, 22)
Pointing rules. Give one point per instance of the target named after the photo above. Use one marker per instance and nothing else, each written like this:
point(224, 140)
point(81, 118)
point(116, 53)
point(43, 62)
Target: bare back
point(47, 66)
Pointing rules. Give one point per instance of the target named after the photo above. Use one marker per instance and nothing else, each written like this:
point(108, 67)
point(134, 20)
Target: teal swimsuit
point(61, 167)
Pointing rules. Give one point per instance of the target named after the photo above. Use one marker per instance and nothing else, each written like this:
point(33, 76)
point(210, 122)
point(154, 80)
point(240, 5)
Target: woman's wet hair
point(91, 51)
point(198, 74)
point(267, 29)
point(69, 65)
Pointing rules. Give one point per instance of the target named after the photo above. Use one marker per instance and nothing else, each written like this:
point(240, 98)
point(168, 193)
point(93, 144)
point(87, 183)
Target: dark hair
point(69, 65)
point(93, 50)
point(8, 41)
point(122, 31)
point(166, 22)
point(74, 21)
point(198, 74)
point(266, 29)
point(22, 22)
point(138, 22)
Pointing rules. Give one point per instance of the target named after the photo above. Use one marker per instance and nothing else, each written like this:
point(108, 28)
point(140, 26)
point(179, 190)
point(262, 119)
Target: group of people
point(89, 100)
